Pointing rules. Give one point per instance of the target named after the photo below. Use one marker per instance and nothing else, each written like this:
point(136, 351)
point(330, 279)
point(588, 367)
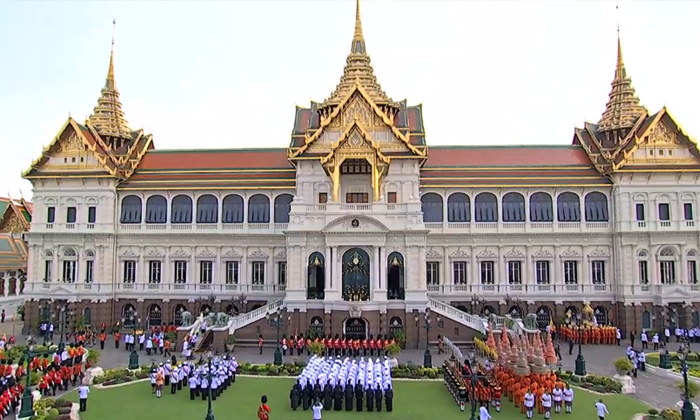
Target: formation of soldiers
point(60, 371)
point(11, 388)
point(197, 377)
point(590, 334)
point(338, 346)
point(356, 385)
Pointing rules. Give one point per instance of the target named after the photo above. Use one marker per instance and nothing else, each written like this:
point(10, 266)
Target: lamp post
point(241, 299)
point(477, 301)
point(208, 301)
point(474, 381)
point(27, 410)
point(210, 411)
point(664, 356)
point(687, 412)
point(65, 313)
point(275, 319)
point(580, 361)
point(427, 356)
point(132, 317)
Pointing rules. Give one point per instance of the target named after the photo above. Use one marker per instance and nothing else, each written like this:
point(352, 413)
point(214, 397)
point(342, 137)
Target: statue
point(531, 322)
point(221, 319)
point(185, 318)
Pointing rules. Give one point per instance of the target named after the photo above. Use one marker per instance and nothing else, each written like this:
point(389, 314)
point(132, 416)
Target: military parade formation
point(201, 378)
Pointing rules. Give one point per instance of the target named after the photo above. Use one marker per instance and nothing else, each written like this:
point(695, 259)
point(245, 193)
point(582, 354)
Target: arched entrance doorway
point(355, 328)
point(395, 277)
point(356, 268)
point(155, 315)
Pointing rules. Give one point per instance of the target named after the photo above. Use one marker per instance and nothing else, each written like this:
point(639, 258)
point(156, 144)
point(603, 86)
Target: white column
point(218, 270)
point(141, 268)
point(192, 272)
point(376, 281)
point(446, 277)
point(165, 276)
point(328, 266)
point(422, 277)
point(56, 272)
point(337, 270)
point(499, 268)
point(243, 279)
point(303, 278)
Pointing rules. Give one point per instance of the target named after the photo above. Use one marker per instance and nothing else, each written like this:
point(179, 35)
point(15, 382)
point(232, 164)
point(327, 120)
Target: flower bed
point(693, 361)
point(119, 376)
point(51, 409)
point(598, 383)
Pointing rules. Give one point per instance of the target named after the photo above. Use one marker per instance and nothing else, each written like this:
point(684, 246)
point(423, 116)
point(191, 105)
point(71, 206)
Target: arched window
point(543, 317)
point(207, 209)
point(70, 253)
point(395, 277)
point(431, 204)
point(488, 310)
point(458, 208)
point(283, 205)
point(156, 209)
point(177, 314)
point(155, 315)
point(259, 209)
point(181, 209)
point(696, 319)
point(516, 311)
point(233, 209)
point(601, 315)
point(485, 208)
point(541, 207)
point(596, 205)
point(646, 320)
point(513, 207)
point(571, 312)
point(667, 265)
point(129, 315)
point(87, 317)
point(316, 277)
point(568, 207)
point(395, 325)
point(316, 329)
point(131, 209)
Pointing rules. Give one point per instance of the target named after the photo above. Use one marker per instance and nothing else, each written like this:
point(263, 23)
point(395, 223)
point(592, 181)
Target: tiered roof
point(15, 219)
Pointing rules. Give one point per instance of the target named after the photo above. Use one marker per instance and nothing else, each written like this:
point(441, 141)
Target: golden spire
point(623, 108)
point(107, 117)
point(358, 67)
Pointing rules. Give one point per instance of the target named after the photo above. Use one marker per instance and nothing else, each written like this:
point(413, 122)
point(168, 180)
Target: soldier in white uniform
point(557, 396)
point(547, 404)
point(529, 401)
point(569, 399)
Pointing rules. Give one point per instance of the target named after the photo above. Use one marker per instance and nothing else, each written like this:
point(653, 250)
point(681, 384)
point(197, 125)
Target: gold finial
point(107, 117)
point(623, 108)
point(358, 70)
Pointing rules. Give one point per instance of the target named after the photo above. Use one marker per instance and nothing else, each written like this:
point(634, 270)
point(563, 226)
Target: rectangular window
point(231, 272)
point(668, 272)
point(180, 272)
point(51, 215)
point(89, 269)
point(688, 211)
point(47, 270)
point(258, 272)
point(71, 215)
point(542, 272)
point(598, 272)
point(357, 198)
point(486, 269)
point(92, 214)
point(643, 272)
point(70, 271)
point(282, 273)
point(154, 272)
point(639, 209)
point(391, 198)
point(459, 272)
point(664, 212)
point(432, 273)
point(692, 272)
point(570, 272)
point(322, 198)
point(515, 272)
point(129, 271)
point(206, 272)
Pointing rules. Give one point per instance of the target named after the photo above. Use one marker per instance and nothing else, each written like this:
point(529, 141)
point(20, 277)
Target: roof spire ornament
point(623, 108)
point(358, 67)
point(107, 117)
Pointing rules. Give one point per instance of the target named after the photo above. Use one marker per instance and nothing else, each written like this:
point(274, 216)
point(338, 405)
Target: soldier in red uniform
point(336, 345)
point(308, 346)
point(372, 345)
point(365, 346)
point(300, 344)
point(497, 398)
point(44, 386)
point(343, 346)
point(328, 343)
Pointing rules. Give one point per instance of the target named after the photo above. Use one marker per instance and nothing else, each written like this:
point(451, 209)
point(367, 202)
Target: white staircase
point(449, 311)
point(248, 318)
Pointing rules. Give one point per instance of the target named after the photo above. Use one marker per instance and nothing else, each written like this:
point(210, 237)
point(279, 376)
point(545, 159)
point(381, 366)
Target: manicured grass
point(413, 400)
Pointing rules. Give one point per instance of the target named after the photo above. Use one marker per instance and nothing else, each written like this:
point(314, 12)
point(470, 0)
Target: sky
point(228, 74)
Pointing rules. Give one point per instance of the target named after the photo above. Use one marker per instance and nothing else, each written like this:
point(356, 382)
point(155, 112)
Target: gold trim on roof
point(108, 117)
point(358, 66)
point(623, 109)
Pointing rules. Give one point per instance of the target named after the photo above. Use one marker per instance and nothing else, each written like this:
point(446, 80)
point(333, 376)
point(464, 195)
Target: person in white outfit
point(484, 413)
point(547, 404)
point(529, 401)
point(317, 408)
point(568, 399)
point(602, 409)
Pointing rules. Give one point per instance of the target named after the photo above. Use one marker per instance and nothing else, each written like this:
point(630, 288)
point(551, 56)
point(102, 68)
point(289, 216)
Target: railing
point(247, 318)
point(46, 288)
point(516, 227)
point(255, 228)
point(349, 207)
point(543, 291)
point(455, 314)
point(654, 225)
point(74, 227)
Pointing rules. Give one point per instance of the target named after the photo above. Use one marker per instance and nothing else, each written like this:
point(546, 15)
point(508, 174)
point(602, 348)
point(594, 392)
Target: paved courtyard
point(652, 389)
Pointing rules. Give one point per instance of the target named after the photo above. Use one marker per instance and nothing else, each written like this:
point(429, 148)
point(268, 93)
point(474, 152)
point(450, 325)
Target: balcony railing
point(255, 228)
point(150, 288)
point(517, 227)
point(559, 291)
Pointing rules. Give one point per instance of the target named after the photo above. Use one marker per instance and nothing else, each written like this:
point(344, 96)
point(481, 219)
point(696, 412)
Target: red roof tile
point(506, 156)
point(214, 159)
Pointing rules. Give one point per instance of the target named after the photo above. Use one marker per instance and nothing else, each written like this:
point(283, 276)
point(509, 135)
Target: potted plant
point(653, 413)
point(623, 366)
point(399, 336)
point(316, 348)
point(230, 342)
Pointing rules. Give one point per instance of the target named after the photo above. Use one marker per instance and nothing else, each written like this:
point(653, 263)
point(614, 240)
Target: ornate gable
point(13, 221)
point(355, 225)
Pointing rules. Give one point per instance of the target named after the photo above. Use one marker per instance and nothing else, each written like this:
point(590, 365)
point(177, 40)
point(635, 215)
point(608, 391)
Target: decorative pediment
point(61, 291)
point(570, 253)
point(515, 253)
point(206, 253)
point(127, 252)
point(487, 253)
point(599, 253)
point(259, 254)
point(542, 253)
point(433, 254)
point(180, 253)
point(460, 254)
point(282, 255)
point(154, 253)
point(355, 224)
point(231, 253)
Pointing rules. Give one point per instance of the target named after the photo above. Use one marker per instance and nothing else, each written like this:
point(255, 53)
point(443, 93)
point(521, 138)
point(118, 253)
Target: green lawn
point(413, 400)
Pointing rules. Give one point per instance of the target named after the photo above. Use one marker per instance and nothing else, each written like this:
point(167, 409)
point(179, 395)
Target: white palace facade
point(358, 225)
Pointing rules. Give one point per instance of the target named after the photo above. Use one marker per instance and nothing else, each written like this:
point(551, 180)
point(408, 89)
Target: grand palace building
point(359, 225)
